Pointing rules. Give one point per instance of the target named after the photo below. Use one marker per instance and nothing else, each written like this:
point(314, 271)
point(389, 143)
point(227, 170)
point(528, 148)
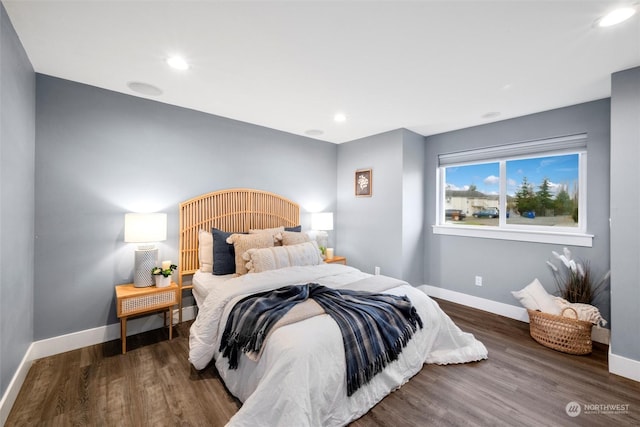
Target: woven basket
point(561, 333)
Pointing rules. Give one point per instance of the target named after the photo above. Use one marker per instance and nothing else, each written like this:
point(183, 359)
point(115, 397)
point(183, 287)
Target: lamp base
point(322, 238)
point(146, 259)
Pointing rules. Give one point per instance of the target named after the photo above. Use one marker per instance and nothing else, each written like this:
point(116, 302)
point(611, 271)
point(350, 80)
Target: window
point(531, 191)
point(543, 191)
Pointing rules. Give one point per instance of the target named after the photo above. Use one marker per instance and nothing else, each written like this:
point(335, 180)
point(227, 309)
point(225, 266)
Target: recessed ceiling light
point(144, 88)
point(339, 117)
point(178, 63)
point(491, 115)
point(616, 16)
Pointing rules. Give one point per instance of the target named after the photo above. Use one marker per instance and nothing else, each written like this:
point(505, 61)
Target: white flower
point(572, 266)
point(575, 282)
point(565, 261)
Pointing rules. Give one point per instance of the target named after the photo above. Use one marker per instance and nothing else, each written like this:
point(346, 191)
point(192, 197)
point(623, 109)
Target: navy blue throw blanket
point(375, 327)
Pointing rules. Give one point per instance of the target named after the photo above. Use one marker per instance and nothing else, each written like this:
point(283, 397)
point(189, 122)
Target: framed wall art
point(363, 182)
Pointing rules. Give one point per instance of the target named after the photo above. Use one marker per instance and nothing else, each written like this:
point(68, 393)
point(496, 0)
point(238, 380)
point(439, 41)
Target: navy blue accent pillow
point(224, 256)
point(297, 228)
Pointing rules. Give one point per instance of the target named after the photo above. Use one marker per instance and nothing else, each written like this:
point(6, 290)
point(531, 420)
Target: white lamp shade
point(145, 227)
point(322, 221)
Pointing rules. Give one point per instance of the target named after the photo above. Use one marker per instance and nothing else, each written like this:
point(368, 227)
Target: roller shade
point(558, 145)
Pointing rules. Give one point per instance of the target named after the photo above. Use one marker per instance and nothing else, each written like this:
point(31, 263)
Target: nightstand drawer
point(132, 300)
point(129, 306)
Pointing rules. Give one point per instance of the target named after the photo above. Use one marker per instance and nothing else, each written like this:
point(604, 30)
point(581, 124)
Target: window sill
point(559, 238)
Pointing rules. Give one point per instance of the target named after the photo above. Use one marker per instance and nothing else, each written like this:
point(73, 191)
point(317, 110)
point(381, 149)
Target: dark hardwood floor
point(521, 384)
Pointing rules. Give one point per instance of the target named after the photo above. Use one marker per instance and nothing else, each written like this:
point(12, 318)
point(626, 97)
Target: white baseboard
point(76, 340)
point(624, 366)
point(601, 335)
point(598, 334)
point(13, 389)
point(506, 310)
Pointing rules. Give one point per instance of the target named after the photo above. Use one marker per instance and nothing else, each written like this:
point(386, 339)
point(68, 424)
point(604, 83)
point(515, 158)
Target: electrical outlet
point(478, 280)
point(377, 271)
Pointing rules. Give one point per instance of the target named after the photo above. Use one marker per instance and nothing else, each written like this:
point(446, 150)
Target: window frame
point(501, 154)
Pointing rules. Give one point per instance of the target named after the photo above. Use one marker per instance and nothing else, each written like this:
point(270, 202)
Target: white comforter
point(300, 378)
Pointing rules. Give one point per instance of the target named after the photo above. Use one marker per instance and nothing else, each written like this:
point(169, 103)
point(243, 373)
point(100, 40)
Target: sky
point(560, 170)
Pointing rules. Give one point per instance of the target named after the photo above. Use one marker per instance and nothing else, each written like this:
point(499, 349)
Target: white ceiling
point(428, 66)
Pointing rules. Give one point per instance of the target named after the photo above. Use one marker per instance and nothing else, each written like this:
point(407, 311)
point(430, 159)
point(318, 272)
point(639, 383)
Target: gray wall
point(451, 262)
point(17, 146)
point(413, 232)
point(625, 205)
point(383, 230)
point(100, 154)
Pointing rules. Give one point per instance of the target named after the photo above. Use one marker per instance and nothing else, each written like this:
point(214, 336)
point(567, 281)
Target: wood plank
point(522, 383)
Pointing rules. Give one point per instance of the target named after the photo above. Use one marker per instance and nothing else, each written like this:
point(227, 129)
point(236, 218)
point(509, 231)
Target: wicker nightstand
point(132, 301)
point(336, 260)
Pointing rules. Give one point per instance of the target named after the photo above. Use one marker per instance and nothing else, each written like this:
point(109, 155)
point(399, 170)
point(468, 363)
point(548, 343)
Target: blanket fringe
point(363, 376)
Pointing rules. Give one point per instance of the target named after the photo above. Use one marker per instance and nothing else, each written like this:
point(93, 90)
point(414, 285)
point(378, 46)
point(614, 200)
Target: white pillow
point(282, 256)
point(535, 297)
point(205, 251)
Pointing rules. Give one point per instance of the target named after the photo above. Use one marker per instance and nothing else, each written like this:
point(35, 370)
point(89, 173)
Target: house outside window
point(530, 191)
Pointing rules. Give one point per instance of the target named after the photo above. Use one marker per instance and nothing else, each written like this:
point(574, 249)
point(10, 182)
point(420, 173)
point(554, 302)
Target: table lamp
point(322, 222)
point(145, 229)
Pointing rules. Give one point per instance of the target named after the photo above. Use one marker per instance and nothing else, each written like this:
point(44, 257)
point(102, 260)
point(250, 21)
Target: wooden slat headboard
point(238, 210)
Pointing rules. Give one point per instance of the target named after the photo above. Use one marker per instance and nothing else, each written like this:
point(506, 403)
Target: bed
point(299, 376)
